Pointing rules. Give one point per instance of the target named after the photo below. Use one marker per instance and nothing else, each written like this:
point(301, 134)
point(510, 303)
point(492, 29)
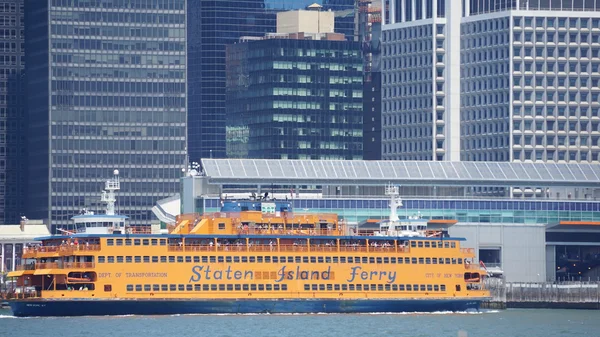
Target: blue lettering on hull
point(170, 307)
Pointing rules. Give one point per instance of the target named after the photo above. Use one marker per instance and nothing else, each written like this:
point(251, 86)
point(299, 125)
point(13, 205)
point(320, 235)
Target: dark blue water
point(526, 323)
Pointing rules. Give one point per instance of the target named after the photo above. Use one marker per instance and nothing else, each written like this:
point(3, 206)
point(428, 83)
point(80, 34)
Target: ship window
point(329, 287)
point(204, 259)
point(434, 260)
point(171, 259)
point(136, 242)
point(408, 287)
point(163, 259)
point(365, 259)
point(111, 259)
point(427, 260)
point(446, 244)
point(261, 287)
point(342, 259)
point(154, 242)
point(336, 259)
point(221, 287)
point(146, 242)
point(236, 259)
point(155, 287)
point(386, 260)
point(458, 287)
point(328, 259)
point(351, 287)
point(127, 242)
point(380, 287)
point(267, 259)
point(453, 260)
point(146, 259)
point(155, 259)
point(336, 287)
point(440, 244)
point(305, 259)
point(138, 287)
point(163, 242)
point(426, 244)
point(276, 287)
point(259, 259)
point(441, 260)
point(401, 287)
point(244, 259)
point(460, 261)
point(128, 259)
point(379, 260)
point(436, 287)
point(314, 287)
point(198, 287)
point(422, 287)
point(415, 287)
point(350, 259)
point(413, 260)
point(189, 287)
point(172, 287)
point(394, 287)
point(188, 259)
point(137, 259)
point(180, 259)
point(110, 242)
point(227, 259)
point(252, 259)
point(400, 260)
point(413, 244)
point(119, 242)
point(230, 287)
point(220, 259)
point(181, 287)
point(164, 287)
point(313, 259)
point(443, 287)
point(205, 287)
point(447, 260)
point(130, 287)
point(101, 259)
point(453, 244)
point(147, 287)
point(253, 287)
point(407, 260)
point(276, 259)
point(320, 259)
point(420, 244)
point(196, 259)
point(119, 259)
point(429, 287)
point(221, 226)
point(298, 259)
point(344, 287)
point(306, 287)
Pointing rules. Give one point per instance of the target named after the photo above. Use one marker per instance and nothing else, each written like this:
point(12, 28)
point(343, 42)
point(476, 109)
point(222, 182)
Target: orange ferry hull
point(86, 307)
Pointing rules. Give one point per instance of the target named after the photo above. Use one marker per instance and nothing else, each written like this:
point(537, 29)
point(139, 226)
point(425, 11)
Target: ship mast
point(395, 201)
point(108, 194)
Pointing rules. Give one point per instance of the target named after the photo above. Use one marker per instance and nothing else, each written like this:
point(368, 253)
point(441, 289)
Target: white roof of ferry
point(378, 172)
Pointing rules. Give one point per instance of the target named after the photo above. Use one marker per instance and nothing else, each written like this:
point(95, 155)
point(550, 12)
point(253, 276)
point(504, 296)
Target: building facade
point(300, 98)
point(106, 90)
point(12, 114)
point(212, 25)
point(492, 81)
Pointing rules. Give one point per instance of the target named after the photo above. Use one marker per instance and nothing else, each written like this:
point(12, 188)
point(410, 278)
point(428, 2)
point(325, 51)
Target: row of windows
point(278, 259)
point(207, 287)
point(284, 287)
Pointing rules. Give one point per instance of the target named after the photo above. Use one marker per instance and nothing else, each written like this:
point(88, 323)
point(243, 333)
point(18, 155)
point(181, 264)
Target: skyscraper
point(492, 80)
point(12, 115)
point(298, 94)
point(212, 25)
point(106, 90)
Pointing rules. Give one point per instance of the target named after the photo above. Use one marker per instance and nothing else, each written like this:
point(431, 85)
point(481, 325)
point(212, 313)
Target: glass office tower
point(12, 116)
point(106, 90)
point(212, 25)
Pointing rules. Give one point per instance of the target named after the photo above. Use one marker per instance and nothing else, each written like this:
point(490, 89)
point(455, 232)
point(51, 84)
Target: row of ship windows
point(278, 259)
point(283, 287)
point(163, 242)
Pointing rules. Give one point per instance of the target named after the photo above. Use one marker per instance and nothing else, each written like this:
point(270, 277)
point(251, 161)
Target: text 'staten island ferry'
point(260, 258)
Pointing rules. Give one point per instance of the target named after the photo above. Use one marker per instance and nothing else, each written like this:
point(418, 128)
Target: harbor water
point(523, 322)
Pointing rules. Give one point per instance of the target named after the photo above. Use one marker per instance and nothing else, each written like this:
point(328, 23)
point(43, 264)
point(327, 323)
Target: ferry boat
point(257, 256)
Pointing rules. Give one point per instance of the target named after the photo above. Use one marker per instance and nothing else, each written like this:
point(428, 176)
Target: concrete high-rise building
point(212, 25)
point(106, 88)
point(492, 80)
point(12, 115)
point(298, 95)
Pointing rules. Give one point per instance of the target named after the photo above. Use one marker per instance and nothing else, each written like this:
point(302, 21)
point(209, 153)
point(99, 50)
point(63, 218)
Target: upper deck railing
point(63, 249)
